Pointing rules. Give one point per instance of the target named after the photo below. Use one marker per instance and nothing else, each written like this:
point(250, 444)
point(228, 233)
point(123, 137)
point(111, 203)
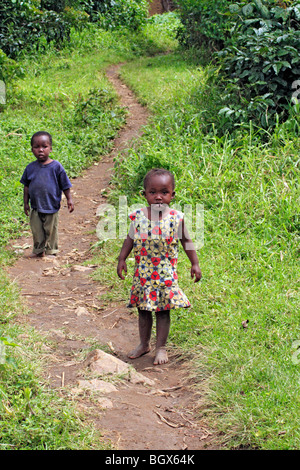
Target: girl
point(153, 235)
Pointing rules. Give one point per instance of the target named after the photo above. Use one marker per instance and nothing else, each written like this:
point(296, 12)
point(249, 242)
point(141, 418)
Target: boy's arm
point(126, 249)
point(189, 248)
point(26, 200)
point(67, 193)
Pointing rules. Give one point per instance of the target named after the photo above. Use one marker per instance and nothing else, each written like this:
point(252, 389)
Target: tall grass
point(68, 96)
point(244, 319)
point(66, 93)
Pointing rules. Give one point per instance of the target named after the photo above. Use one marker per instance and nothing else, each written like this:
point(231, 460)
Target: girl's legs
point(145, 328)
point(162, 333)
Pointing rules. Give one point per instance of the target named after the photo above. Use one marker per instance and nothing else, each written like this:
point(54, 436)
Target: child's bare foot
point(161, 356)
point(34, 255)
point(139, 351)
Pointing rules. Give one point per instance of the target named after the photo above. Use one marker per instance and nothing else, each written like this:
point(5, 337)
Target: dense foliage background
point(225, 120)
point(25, 24)
point(256, 47)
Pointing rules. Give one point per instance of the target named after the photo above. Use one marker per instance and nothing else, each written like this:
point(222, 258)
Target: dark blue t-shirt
point(46, 183)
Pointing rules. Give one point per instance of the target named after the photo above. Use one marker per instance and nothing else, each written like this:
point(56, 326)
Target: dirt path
point(64, 305)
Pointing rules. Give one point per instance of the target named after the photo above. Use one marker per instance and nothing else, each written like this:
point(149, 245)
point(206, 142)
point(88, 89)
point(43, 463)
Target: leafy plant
point(9, 68)
point(262, 62)
point(256, 46)
point(112, 14)
point(24, 25)
point(204, 23)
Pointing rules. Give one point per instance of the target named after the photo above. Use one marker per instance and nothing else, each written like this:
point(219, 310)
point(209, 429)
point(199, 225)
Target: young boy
point(44, 181)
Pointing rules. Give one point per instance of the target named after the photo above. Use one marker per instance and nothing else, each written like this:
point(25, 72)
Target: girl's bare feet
point(139, 351)
point(161, 356)
point(145, 326)
point(162, 332)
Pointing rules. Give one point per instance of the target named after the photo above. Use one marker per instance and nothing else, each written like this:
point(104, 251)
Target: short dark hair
point(158, 171)
point(38, 134)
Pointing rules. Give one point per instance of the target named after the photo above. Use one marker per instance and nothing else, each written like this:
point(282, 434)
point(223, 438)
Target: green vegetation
point(83, 120)
point(243, 330)
point(244, 320)
point(34, 24)
point(263, 62)
point(32, 417)
point(255, 44)
point(67, 93)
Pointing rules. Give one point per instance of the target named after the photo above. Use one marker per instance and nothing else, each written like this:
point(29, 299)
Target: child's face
point(159, 192)
point(41, 148)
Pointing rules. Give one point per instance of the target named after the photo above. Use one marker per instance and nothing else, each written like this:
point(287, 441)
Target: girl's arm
point(26, 200)
point(126, 249)
point(189, 248)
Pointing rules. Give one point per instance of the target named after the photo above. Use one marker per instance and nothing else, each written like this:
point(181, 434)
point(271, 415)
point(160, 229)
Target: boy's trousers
point(44, 229)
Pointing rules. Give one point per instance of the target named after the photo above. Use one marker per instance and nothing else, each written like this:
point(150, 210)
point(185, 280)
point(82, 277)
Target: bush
point(16, 20)
point(256, 46)
point(9, 69)
point(111, 14)
point(55, 5)
point(23, 25)
point(262, 62)
point(204, 23)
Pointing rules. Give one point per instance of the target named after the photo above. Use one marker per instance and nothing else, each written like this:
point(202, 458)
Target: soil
point(155, 7)
point(65, 305)
point(158, 7)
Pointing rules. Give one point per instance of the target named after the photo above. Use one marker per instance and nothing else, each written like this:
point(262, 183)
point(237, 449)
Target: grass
point(34, 417)
point(66, 93)
point(57, 96)
point(249, 189)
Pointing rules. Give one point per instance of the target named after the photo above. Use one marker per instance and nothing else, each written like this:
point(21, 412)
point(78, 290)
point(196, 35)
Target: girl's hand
point(188, 247)
point(126, 249)
point(121, 267)
point(196, 272)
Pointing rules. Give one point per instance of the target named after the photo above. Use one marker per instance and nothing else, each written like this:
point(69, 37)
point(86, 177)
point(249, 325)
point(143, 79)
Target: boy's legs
point(162, 332)
point(50, 224)
point(44, 229)
point(145, 328)
point(38, 234)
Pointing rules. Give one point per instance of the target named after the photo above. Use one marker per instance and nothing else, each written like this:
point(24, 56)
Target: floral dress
point(155, 247)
